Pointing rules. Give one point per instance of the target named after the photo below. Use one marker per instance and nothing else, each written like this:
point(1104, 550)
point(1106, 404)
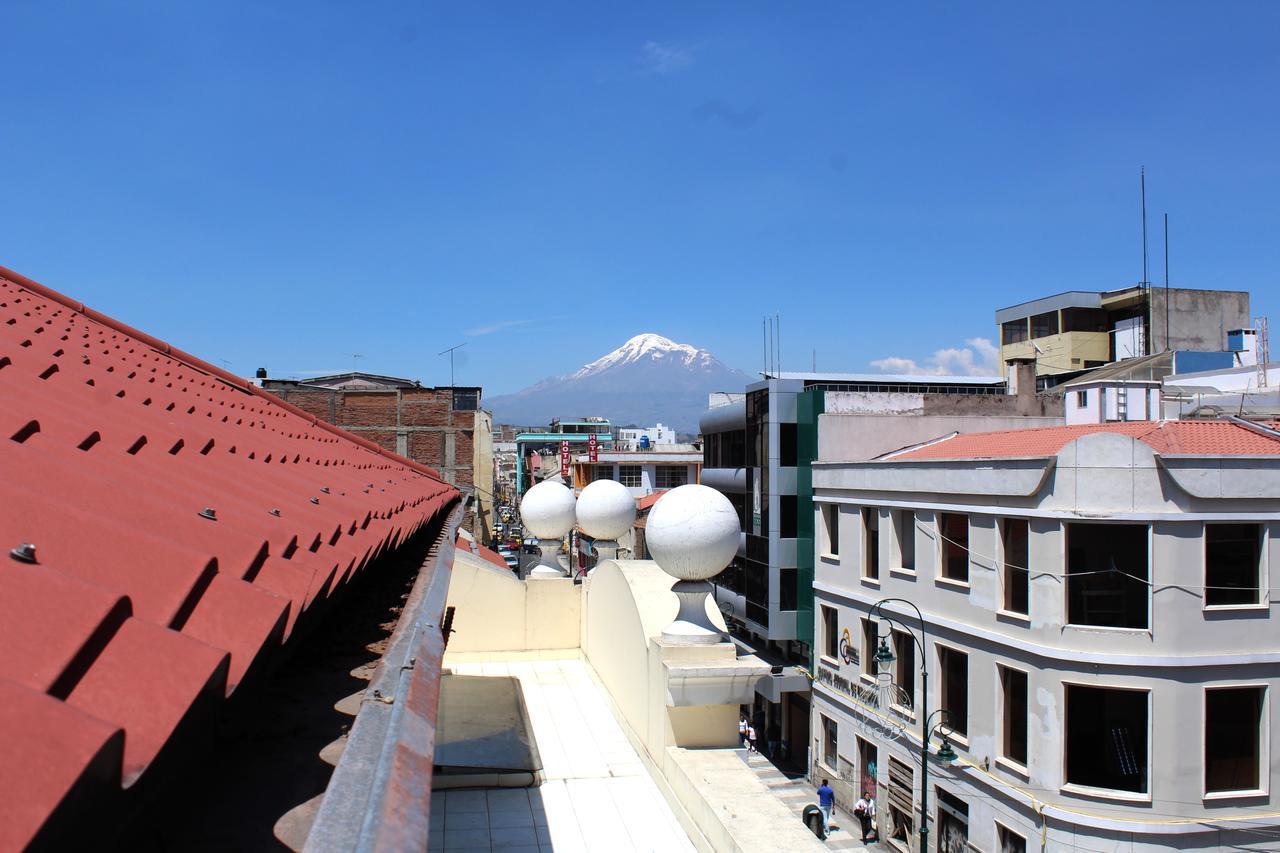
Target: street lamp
point(885, 656)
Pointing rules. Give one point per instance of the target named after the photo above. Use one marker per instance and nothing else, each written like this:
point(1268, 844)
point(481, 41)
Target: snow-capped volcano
point(650, 345)
point(648, 379)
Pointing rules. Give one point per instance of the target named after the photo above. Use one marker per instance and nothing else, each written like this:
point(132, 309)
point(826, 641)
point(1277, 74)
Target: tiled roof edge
point(226, 376)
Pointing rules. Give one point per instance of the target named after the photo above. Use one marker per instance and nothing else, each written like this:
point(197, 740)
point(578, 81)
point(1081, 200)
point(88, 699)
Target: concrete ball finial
point(693, 532)
point(606, 510)
point(547, 510)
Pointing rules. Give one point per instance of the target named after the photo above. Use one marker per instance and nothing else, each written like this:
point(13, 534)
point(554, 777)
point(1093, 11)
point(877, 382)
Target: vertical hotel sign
point(564, 458)
point(593, 448)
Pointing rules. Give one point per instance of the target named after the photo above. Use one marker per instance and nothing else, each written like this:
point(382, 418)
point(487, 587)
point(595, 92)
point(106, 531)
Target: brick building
point(443, 428)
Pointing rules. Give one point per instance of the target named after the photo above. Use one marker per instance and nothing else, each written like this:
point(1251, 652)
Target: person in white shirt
point(742, 731)
point(865, 811)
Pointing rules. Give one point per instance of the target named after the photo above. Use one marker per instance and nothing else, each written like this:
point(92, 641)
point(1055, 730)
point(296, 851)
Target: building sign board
point(593, 448)
point(564, 459)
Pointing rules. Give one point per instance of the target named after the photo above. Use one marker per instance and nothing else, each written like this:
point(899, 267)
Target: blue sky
point(285, 184)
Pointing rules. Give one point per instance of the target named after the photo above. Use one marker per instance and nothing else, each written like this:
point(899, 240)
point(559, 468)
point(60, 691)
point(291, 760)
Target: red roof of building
point(649, 500)
point(166, 525)
point(1210, 438)
point(473, 547)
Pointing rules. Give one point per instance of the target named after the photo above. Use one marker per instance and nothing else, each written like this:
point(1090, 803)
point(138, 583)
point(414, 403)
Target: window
point(954, 667)
point(901, 802)
point(871, 542)
point(829, 742)
point(1013, 688)
point(831, 523)
point(953, 822)
point(955, 546)
point(1084, 320)
point(604, 472)
point(830, 632)
point(1017, 577)
point(1107, 575)
point(670, 476)
point(1232, 563)
point(1008, 841)
point(1082, 399)
point(1232, 739)
point(467, 400)
point(906, 533)
point(904, 648)
point(788, 588)
point(1106, 744)
point(870, 638)
point(629, 475)
point(789, 512)
point(1013, 332)
point(1043, 325)
point(787, 447)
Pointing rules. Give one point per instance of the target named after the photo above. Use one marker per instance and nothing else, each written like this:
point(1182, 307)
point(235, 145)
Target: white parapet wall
point(678, 703)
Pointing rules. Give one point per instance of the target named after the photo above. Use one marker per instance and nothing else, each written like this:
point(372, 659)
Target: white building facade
point(1097, 624)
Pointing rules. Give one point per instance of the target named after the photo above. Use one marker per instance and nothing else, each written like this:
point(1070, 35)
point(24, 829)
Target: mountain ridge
point(650, 378)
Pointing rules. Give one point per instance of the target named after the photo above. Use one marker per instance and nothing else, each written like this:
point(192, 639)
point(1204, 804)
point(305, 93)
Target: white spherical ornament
point(606, 510)
point(547, 510)
point(693, 532)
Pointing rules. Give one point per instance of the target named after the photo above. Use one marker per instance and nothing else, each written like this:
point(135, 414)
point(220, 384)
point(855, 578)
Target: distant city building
point(442, 427)
point(629, 438)
point(1096, 604)
point(545, 443)
point(1080, 329)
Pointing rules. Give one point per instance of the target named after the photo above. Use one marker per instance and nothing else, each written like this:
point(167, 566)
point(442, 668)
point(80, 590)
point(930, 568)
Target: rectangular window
point(1084, 320)
point(953, 822)
point(1106, 738)
point(901, 802)
point(1107, 575)
point(830, 632)
point(829, 733)
point(1017, 575)
point(904, 676)
point(1013, 332)
point(906, 533)
point(604, 472)
point(871, 542)
point(870, 637)
point(1013, 687)
point(1082, 399)
point(787, 446)
point(466, 400)
point(1232, 563)
point(670, 476)
point(789, 510)
point(954, 667)
point(788, 588)
point(1232, 738)
point(831, 523)
point(1043, 325)
point(630, 476)
point(1008, 841)
point(955, 546)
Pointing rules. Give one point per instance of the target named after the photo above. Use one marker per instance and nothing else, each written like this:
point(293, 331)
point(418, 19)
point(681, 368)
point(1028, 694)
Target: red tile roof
point(649, 500)
point(473, 547)
point(1211, 438)
point(183, 522)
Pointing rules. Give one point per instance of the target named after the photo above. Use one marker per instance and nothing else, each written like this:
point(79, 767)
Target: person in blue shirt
point(826, 800)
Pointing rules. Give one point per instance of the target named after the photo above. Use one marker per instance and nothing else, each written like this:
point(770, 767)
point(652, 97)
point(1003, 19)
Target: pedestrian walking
point(865, 811)
point(826, 800)
point(773, 735)
point(751, 738)
point(742, 731)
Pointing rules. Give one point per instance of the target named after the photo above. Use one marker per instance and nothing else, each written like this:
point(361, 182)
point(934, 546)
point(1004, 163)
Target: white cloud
point(496, 327)
point(666, 57)
point(978, 357)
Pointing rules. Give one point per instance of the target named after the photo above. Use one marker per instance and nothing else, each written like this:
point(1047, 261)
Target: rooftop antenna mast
point(1146, 283)
point(354, 357)
point(450, 351)
point(1166, 282)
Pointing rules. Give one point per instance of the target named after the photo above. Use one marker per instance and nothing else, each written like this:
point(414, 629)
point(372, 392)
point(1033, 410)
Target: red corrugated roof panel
point(183, 523)
point(1210, 438)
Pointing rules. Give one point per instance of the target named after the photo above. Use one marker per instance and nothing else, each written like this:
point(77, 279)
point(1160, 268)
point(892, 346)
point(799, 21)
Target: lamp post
point(885, 656)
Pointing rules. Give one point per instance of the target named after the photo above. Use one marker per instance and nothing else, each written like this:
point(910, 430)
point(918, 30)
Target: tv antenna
point(450, 351)
point(355, 356)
